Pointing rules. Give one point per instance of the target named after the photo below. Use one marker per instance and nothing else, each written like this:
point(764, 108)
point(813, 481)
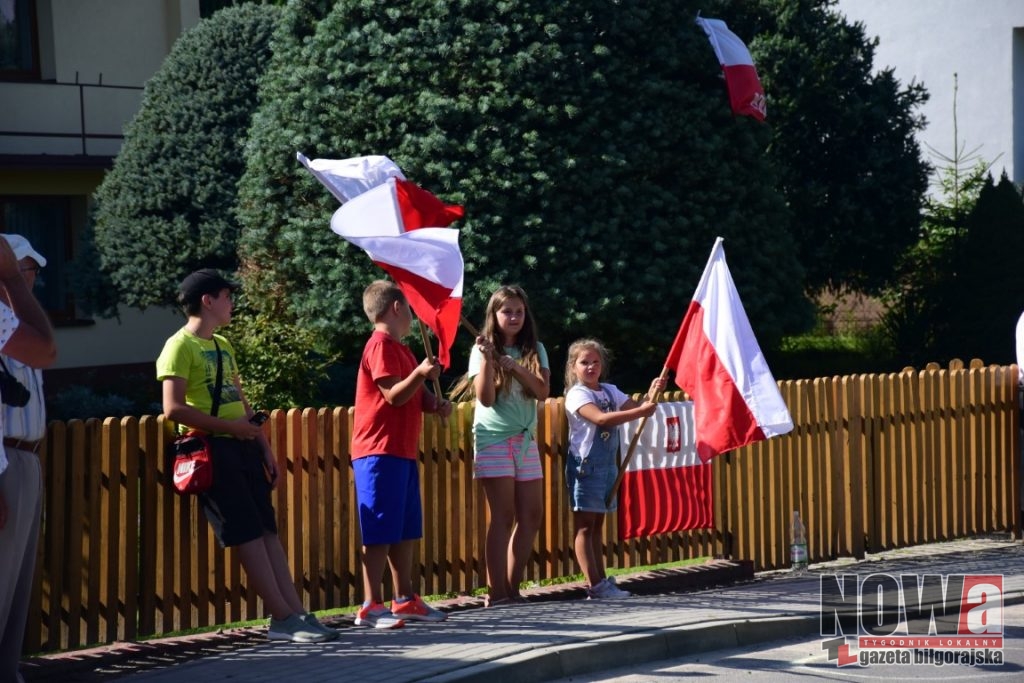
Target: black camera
point(13, 392)
point(259, 418)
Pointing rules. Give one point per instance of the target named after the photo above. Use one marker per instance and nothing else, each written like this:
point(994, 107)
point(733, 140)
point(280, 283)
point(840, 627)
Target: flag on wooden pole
point(718, 362)
point(404, 230)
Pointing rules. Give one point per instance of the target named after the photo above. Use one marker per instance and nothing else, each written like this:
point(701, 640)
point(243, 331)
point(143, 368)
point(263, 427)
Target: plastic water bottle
point(798, 546)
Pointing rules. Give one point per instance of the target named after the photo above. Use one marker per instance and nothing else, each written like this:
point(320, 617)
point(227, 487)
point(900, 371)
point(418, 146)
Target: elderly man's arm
point(32, 342)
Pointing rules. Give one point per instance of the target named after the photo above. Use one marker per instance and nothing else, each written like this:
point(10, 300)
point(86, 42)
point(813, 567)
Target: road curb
point(641, 647)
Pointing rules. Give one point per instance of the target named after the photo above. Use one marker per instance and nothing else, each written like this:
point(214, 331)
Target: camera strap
point(12, 392)
point(220, 380)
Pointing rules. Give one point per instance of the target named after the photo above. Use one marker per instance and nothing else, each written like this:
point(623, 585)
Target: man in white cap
point(26, 346)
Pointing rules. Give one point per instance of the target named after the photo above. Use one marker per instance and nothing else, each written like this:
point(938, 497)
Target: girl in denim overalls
point(595, 411)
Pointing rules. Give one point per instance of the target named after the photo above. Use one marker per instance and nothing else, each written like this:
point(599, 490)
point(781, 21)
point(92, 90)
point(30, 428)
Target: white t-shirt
point(581, 430)
point(8, 324)
point(1020, 349)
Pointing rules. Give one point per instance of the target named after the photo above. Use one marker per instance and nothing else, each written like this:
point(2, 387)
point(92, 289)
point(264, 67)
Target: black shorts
point(238, 504)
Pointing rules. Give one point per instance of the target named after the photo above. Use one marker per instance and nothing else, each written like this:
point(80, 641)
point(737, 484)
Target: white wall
point(136, 338)
point(121, 42)
point(930, 40)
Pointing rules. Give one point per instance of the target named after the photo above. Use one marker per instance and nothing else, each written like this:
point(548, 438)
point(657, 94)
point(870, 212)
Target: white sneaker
point(377, 616)
point(606, 588)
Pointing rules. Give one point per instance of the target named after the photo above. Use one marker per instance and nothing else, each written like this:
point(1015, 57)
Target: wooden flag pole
point(469, 326)
point(632, 444)
point(475, 332)
point(437, 383)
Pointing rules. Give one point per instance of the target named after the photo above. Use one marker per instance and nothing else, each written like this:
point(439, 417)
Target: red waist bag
point(193, 464)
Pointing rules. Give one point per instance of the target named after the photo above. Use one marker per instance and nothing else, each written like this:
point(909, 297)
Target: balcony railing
point(65, 119)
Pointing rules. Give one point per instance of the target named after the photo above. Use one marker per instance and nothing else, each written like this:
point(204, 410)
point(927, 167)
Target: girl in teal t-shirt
point(508, 374)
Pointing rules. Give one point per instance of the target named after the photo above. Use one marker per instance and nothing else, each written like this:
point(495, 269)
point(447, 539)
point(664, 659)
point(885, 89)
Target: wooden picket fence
point(874, 462)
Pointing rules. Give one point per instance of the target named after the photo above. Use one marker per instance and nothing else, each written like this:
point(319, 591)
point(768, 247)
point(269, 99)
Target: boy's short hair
point(378, 297)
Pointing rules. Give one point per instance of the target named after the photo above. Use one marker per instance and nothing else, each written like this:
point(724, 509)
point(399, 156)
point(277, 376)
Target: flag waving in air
point(348, 178)
point(404, 230)
point(746, 97)
point(718, 362)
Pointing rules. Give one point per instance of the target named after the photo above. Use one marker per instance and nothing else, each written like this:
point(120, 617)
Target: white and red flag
point(404, 230)
point(665, 486)
point(746, 97)
point(348, 178)
point(718, 362)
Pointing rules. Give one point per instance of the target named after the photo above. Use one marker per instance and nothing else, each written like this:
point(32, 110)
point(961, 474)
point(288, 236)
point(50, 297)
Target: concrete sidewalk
point(550, 639)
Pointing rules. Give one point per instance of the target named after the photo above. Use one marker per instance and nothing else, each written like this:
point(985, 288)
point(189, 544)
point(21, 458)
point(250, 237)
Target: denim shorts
point(590, 480)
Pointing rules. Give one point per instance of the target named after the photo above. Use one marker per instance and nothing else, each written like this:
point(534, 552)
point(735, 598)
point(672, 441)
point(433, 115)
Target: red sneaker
point(414, 609)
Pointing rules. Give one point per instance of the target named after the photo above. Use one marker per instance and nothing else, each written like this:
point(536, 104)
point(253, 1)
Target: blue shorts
point(590, 481)
point(388, 496)
point(238, 505)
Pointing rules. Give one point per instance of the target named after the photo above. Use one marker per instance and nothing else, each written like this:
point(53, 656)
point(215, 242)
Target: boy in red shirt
point(389, 406)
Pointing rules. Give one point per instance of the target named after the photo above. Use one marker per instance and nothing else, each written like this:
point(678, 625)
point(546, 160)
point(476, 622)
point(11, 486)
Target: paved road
point(793, 660)
point(552, 640)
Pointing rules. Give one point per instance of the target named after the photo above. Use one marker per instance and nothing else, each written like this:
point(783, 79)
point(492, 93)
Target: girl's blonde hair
point(576, 349)
point(525, 341)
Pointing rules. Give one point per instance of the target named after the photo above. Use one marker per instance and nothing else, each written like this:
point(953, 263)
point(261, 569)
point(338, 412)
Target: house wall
point(116, 42)
point(982, 42)
point(59, 134)
point(135, 336)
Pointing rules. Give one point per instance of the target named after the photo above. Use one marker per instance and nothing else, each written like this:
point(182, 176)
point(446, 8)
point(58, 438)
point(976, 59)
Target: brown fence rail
point(874, 462)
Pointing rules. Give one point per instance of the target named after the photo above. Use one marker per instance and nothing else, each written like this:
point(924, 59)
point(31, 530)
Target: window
point(46, 222)
point(208, 7)
point(18, 50)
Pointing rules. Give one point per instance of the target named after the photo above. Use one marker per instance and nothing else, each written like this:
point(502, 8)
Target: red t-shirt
point(379, 427)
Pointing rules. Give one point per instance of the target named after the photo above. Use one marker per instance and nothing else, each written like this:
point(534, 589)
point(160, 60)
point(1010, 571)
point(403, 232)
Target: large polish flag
point(404, 230)
point(348, 178)
point(718, 362)
point(665, 487)
point(746, 96)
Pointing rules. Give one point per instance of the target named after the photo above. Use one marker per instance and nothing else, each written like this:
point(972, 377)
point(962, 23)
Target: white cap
point(22, 248)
